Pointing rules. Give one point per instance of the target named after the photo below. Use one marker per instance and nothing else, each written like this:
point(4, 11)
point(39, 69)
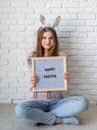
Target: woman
point(54, 109)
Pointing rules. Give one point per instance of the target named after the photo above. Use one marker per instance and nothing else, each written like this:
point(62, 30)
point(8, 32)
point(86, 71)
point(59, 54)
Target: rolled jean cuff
point(50, 120)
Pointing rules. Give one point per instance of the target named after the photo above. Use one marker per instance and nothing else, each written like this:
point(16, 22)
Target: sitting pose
point(54, 108)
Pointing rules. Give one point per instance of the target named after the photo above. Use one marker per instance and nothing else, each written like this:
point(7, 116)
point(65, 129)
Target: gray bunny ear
point(42, 19)
point(56, 21)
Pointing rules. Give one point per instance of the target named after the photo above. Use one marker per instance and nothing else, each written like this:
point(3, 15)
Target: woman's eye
point(48, 38)
point(43, 37)
point(51, 37)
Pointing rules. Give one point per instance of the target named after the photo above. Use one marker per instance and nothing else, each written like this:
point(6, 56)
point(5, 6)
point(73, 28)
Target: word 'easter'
point(50, 75)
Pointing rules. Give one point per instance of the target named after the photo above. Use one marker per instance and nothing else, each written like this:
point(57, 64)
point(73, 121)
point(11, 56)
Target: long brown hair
point(39, 49)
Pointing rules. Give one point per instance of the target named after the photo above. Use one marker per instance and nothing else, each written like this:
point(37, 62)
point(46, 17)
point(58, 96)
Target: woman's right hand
point(33, 80)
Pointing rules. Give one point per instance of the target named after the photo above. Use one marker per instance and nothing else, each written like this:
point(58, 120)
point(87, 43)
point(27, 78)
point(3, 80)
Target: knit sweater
point(49, 95)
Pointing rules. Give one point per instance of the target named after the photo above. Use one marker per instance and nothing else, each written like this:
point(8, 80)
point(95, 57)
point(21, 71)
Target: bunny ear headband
point(52, 25)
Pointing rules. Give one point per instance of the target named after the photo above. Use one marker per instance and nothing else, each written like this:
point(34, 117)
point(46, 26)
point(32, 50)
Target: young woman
point(53, 109)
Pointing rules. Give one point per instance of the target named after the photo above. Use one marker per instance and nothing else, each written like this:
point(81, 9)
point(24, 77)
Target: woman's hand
point(33, 80)
point(66, 76)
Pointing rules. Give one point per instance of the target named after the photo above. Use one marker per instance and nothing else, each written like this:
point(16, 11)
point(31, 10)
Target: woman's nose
point(47, 40)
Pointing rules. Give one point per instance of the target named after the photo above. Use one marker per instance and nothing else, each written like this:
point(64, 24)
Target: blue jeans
point(46, 112)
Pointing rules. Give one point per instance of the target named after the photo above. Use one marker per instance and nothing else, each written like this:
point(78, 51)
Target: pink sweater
point(45, 96)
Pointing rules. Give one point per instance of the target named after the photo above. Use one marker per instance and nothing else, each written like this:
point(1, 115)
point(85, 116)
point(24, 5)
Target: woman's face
point(47, 40)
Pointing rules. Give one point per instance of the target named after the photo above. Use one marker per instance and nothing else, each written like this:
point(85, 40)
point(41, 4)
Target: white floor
point(8, 121)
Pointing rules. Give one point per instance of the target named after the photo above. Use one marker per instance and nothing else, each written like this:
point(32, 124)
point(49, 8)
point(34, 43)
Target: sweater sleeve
point(29, 59)
point(62, 53)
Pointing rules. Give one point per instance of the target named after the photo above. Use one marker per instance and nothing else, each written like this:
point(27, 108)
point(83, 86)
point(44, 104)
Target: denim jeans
point(46, 112)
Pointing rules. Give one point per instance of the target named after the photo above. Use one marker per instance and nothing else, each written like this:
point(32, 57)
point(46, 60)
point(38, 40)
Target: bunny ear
point(56, 21)
point(42, 19)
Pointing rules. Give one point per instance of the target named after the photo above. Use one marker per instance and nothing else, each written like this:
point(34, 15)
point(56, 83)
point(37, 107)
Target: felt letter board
point(49, 71)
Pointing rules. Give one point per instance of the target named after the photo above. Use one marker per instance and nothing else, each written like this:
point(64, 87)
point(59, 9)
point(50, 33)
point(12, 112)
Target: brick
point(8, 90)
point(42, 10)
point(3, 15)
point(15, 101)
point(86, 16)
point(8, 68)
point(77, 33)
point(17, 96)
point(7, 10)
point(17, 15)
point(8, 34)
point(26, 33)
point(17, 51)
point(4, 51)
point(17, 28)
point(91, 10)
point(77, 23)
point(4, 3)
point(53, 5)
point(85, 29)
point(7, 45)
point(59, 10)
point(91, 23)
point(8, 57)
point(38, 4)
point(3, 62)
point(25, 10)
point(71, 4)
point(17, 85)
point(18, 4)
point(88, 4)
point(3, 96)
point(24, 21)
point(86, 40)
point(3, 28)
point(92, 34)
point(95, 64)
point(67, 28)
point(3, 84)
point(76, 10)
point(3, 39)
point(69, 17)
point(6, 101)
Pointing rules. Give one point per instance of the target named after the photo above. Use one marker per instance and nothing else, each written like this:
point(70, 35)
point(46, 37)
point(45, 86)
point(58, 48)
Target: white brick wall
point(19, 20)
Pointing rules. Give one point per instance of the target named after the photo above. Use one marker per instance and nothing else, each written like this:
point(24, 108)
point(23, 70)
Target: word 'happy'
point(49, 69)
point(50, 75)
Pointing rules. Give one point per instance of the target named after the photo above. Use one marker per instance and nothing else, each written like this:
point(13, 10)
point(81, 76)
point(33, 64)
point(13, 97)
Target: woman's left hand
point(66, 76)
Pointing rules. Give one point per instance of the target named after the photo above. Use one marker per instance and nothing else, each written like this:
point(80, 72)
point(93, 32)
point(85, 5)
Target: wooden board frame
point(57, 59)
